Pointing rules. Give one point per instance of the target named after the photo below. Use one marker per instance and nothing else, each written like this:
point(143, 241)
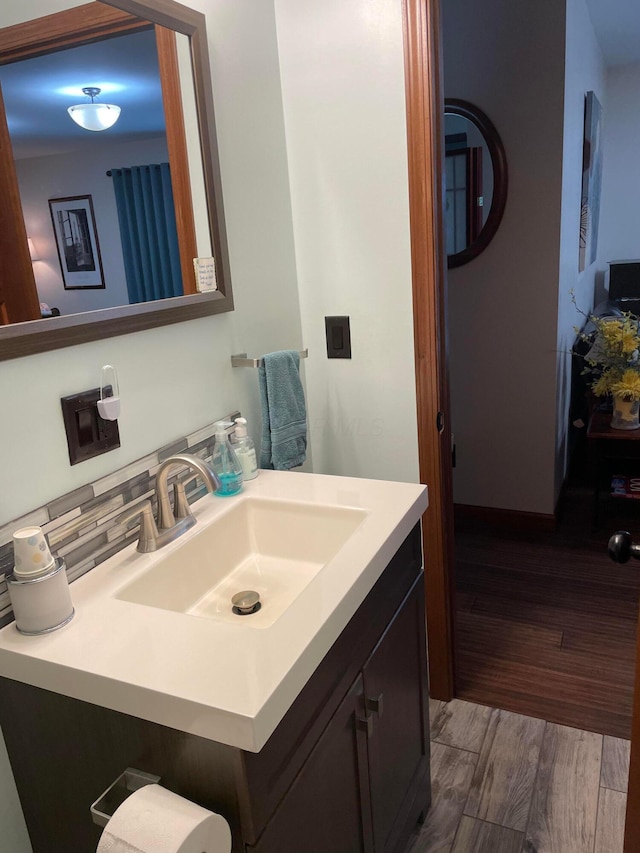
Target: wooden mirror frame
point(21, 339)
point(500, 179)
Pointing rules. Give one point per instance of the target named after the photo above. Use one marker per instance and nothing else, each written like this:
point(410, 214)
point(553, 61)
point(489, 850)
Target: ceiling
point(38, 91)
point(617, 26)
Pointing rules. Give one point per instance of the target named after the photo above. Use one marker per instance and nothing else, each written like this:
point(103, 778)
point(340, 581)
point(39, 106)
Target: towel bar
point(241, 360)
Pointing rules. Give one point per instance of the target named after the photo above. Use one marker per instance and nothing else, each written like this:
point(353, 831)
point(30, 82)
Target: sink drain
point(246, 602)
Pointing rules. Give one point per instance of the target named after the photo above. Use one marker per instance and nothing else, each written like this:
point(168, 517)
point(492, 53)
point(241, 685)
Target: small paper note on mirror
point(205, 269)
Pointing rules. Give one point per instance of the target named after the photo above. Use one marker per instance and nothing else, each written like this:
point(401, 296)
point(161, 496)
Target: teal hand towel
point(284, 416)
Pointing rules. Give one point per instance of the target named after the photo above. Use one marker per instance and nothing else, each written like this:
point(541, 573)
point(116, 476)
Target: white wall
point(620, 212)
point(584, 71)
point(82, 172)
point(343, 90)
point(176, 378)
point(508, 59)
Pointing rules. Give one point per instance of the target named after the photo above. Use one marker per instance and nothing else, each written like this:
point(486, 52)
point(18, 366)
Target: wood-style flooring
point(546, 622)
point(506, 783)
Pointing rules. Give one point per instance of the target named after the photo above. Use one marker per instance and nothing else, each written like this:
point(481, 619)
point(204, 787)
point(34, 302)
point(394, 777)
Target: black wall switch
point(338, 337)
point(88, 434)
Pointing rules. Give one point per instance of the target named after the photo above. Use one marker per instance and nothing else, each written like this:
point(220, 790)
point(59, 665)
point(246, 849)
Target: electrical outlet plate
point(88, 434)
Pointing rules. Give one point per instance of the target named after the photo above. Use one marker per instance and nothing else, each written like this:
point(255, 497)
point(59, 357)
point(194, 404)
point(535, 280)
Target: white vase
point(625, 413)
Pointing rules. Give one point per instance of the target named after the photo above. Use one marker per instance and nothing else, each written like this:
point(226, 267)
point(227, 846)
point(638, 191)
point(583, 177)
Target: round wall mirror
point(475, 181)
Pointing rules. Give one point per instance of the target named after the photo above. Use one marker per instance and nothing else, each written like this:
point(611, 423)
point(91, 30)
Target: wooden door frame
point(474, 193)
point(632, 821)
point(17, 304)
point(425, 141)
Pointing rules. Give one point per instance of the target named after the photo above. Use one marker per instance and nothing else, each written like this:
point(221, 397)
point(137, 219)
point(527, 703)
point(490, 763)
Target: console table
point(611, 451)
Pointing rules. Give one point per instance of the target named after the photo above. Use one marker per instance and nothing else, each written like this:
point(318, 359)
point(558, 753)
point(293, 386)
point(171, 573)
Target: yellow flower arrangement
point(614, 355)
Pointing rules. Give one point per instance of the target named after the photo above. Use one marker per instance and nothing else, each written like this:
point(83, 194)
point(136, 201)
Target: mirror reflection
point(98, 205)
point(475, 169)
point(468, 181)
point(104, 209)
point(59, 164)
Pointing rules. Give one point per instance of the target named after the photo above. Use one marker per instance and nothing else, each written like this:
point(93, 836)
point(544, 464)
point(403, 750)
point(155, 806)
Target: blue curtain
point(147, 219)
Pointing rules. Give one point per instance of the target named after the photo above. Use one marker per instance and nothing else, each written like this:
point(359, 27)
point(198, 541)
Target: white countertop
point(224, 682)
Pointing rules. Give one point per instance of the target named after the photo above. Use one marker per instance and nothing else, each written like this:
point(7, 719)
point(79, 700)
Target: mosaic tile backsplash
point(82, 527)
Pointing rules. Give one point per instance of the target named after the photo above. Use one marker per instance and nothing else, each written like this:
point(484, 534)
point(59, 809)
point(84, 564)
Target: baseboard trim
point(506, 518)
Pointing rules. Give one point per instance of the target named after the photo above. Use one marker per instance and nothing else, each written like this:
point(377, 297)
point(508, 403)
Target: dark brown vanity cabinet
point(347, 769)
point(366, 780)
point(398, 745)
point(326, 808)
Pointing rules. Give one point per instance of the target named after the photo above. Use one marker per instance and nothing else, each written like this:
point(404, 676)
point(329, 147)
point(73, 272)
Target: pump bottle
point(225, 462)
point(245, 450)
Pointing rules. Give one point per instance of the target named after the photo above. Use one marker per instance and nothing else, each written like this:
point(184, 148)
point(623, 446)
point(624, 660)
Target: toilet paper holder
point(131, 780)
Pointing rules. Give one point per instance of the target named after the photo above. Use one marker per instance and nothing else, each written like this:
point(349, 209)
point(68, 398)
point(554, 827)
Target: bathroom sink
point(154, 635)
point(274, 547)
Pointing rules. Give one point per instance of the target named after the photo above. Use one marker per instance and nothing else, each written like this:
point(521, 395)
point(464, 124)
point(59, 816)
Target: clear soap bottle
point(225, 462)
point(245, 450)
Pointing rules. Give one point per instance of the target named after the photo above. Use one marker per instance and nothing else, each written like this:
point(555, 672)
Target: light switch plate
point(88, 434)
point(338, 334)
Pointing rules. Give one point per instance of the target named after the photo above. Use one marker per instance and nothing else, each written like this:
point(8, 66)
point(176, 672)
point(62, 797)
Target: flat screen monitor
point(624, 280)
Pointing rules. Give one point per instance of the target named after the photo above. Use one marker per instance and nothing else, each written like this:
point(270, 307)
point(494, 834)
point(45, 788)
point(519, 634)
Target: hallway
point(546, 622)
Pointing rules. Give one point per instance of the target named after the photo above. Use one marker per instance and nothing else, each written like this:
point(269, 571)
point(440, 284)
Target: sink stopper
point(246, 602)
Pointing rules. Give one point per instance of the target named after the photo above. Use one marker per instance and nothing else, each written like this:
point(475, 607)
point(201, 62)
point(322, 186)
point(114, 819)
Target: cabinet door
point(396, 694)
point(269, 774)
point(327, 810)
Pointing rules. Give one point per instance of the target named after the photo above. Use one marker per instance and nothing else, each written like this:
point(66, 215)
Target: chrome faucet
point(171, 523)
point(166, 519)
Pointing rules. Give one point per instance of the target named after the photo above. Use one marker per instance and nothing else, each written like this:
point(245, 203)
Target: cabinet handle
point(376, 704)
point(365, 724)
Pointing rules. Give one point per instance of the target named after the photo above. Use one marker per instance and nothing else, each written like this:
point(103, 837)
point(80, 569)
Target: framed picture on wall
point(74, 227)
point(591, 181)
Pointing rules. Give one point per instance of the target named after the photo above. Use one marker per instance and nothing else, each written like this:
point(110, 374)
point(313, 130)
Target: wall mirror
point(475, 181)
point(63, 227)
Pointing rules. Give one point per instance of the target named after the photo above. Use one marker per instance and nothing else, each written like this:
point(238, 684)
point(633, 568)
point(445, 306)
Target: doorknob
point(622, 547)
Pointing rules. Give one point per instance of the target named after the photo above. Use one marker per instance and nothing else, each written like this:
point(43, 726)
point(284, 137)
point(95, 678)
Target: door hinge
point(440, 421)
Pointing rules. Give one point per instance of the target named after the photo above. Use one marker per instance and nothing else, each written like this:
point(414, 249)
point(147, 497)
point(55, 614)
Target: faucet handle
point(181, 508)
point(168, 516)
point(148, 540)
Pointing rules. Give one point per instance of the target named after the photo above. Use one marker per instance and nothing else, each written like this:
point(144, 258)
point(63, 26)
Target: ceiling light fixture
point(94, 116)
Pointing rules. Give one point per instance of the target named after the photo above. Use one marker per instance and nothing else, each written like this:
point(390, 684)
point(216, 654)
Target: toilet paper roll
point(153, 820)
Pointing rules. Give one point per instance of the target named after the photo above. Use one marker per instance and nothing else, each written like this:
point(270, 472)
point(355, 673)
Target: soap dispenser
point(245, 450)
point(225, 462)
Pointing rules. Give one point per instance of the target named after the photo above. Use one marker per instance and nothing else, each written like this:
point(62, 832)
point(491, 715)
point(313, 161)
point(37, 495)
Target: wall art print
point(74, 227)
point(591, 181)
